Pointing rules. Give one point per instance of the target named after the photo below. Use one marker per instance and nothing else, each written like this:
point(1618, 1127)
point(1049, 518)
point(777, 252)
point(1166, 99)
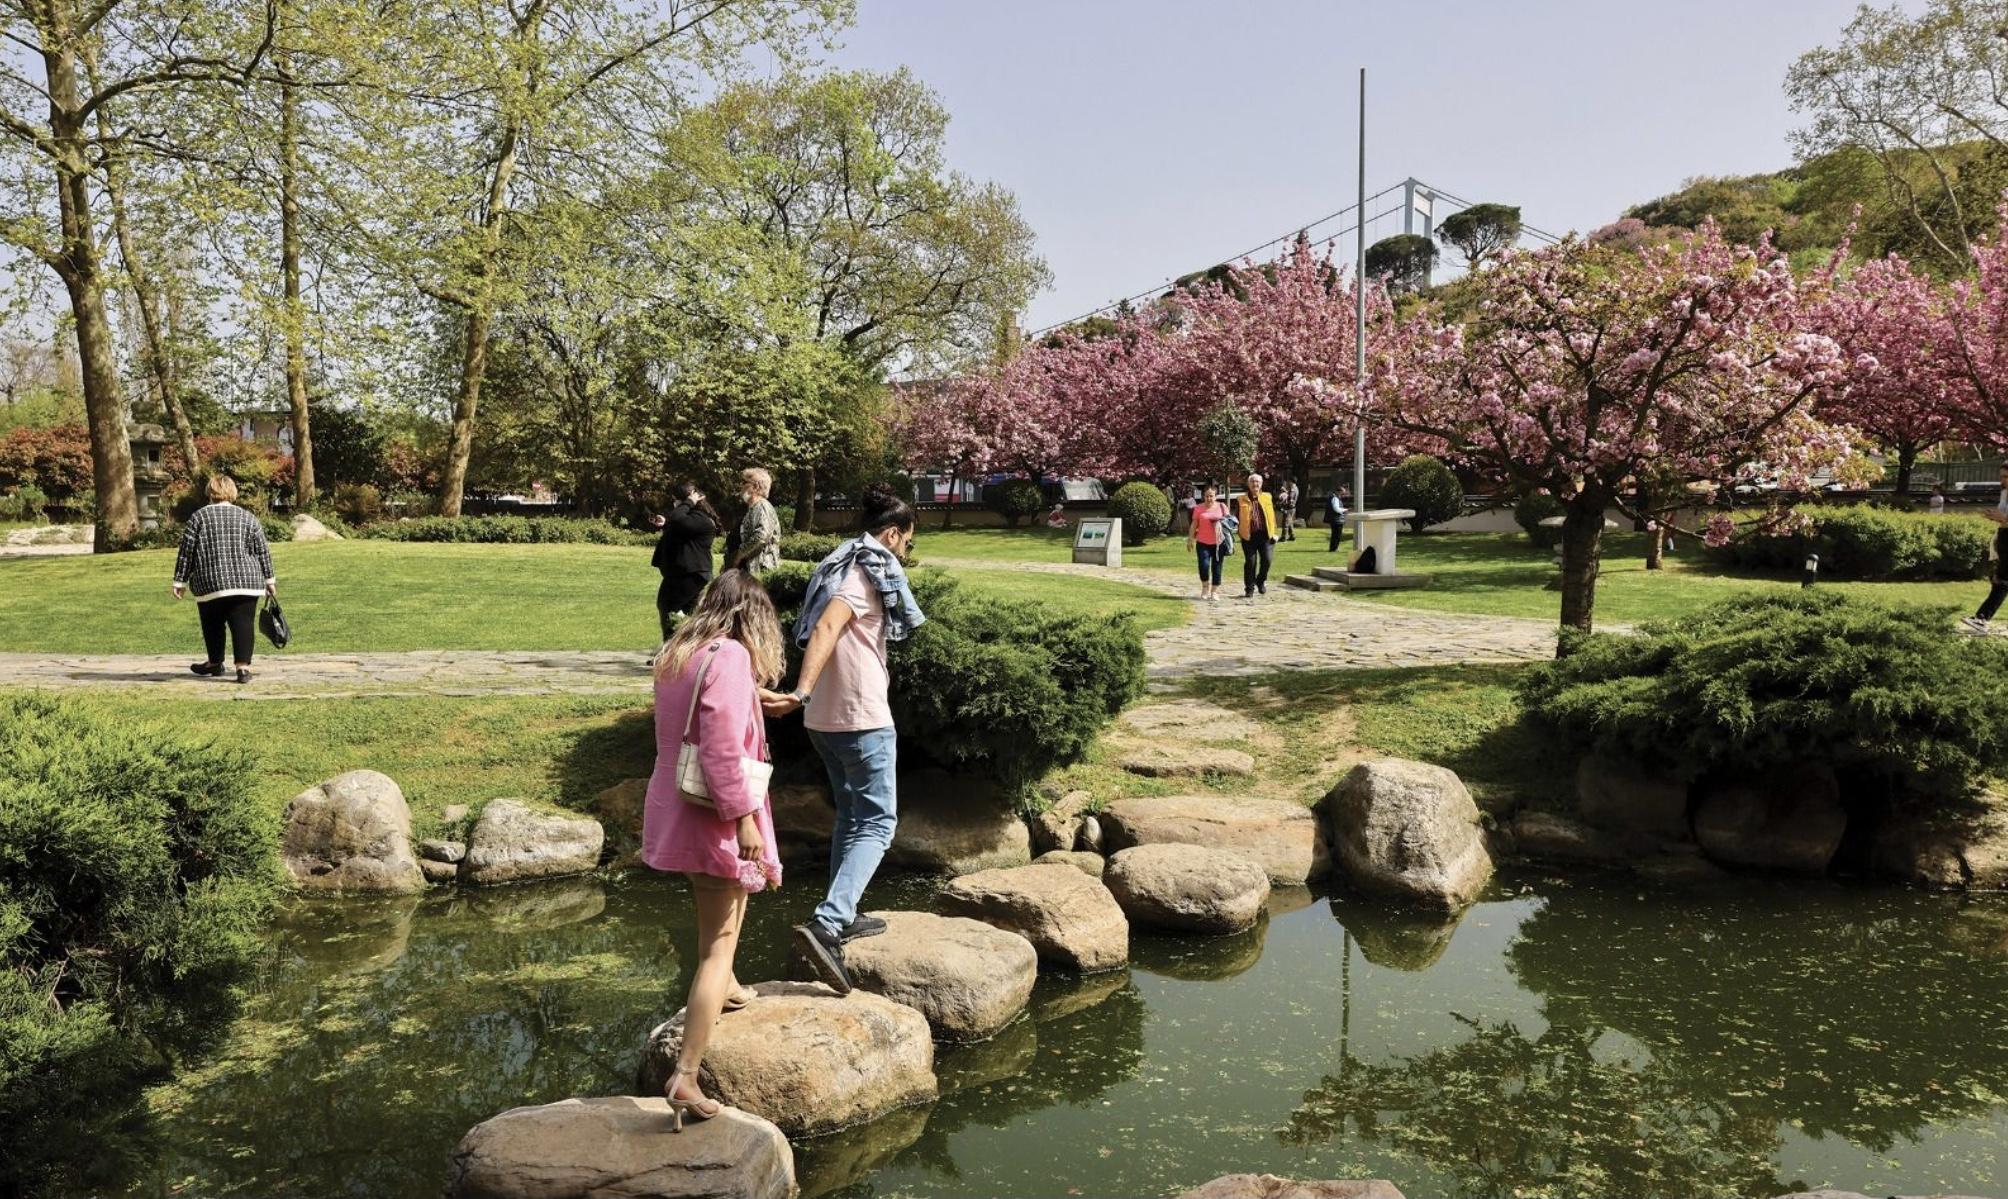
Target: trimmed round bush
point(136, 871)
point(1898, 706)
point(357, 503)
point(808, 547)
point(1144, 511)
point(1534, 508)
point(1014, 499)
point(1426, 485)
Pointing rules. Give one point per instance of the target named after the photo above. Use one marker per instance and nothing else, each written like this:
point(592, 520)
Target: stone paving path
point(1290, 629)
point(1287, 629)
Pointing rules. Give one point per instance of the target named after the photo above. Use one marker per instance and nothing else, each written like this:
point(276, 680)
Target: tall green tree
point(908, 265)
point(1481, 231)
point(74, 60)
point(1404, 260)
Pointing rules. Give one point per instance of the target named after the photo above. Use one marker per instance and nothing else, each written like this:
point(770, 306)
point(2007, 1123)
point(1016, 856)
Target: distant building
point(268, 427)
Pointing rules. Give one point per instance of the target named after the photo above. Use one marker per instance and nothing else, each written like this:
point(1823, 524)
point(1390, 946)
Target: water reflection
point(1396, 937)
point(831, 1163)
point(1200, 959)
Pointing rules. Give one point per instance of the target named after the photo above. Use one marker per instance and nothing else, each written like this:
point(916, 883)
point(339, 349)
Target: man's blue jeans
point(864, 785)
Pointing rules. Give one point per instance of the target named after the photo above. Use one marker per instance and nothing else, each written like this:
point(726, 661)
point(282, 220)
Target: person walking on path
point(1335, 517)
point(1206, 536)
point(1255, 513)
point(1980, 620)
point(683, 555)
point(1937, 501)
point(760, 530)
point(1286, 520)
point(225, 561)
point(857, 601)
point(707, 705)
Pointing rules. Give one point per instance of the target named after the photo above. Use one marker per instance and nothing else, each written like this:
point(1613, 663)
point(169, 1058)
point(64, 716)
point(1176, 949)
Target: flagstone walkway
point(1284, 630)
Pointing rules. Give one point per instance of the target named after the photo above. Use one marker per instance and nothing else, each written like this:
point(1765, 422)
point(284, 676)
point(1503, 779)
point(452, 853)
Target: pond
point(1562, 1038)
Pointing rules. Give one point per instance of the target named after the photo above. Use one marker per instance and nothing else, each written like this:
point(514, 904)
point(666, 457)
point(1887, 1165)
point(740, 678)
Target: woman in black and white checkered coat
point(226, 562)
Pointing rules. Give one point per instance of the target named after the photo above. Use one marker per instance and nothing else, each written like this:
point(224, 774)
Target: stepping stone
point(1172, 759)
point(1058, 826)
point(806, 1058)
point(956, 824)
point(1283, 837)
point(592, 1148)
point(967, 978)
point(804, 821)
point(1091, 864)
point(1189, 720)
point(1188, 888)
point(1409, 830)
point(513, 842)
point(1070, 919)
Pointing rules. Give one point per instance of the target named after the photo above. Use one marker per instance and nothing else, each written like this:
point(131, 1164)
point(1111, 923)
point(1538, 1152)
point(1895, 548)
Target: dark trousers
point(1992, 603)
point(676, 596)
point(1210, 560)
point(1255, 563)
point(1338, 531)
point(238, 613)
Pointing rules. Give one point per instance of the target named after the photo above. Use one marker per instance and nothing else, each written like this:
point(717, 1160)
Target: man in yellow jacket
point(1256, 514)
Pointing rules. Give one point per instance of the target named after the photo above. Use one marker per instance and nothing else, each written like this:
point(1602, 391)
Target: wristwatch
point(800, 696)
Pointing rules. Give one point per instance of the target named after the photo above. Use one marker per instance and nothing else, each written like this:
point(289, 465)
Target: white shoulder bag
point(690, 784)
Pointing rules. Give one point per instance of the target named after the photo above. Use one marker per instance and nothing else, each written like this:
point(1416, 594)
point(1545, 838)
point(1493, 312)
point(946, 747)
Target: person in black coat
point(683, 555)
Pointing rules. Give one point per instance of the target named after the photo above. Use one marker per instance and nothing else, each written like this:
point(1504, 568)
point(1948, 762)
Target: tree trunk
point(805, 500)
point(480, 314)
point(295, 322)
point(1655, 547)
point(1582, 548)
point(81, 268)
point(160, 364)
point(1906, 459)
point(948, 509)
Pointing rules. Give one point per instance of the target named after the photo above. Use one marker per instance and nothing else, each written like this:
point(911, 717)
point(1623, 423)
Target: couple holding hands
point(707, 814)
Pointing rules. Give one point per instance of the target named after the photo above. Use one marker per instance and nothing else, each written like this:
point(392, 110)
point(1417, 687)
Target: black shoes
point(205, 669)
point(243, 674)
point(863, 926)
point(826, 954)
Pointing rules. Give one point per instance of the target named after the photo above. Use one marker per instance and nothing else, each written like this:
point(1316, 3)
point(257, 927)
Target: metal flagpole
point(1360, 328)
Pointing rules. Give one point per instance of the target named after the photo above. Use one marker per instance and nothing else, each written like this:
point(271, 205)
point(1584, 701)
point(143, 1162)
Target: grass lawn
point(1498, 574)
point(355, 596)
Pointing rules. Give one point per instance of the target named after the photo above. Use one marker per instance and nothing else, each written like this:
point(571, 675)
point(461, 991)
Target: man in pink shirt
point(845, 687)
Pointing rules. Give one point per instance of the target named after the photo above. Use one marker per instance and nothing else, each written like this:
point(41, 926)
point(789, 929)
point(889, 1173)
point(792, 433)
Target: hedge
point(808, 547)
point(1014, 499)
point(1859, 542)
point(1144, 511)
point(167, 534)
point(1005, 690)
point(511, 530)
point(135, 876)
point(1534, 508)
point(1426, 485)
point(1891, 699)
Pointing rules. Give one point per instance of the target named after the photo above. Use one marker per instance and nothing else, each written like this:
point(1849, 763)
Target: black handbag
point(273, 621)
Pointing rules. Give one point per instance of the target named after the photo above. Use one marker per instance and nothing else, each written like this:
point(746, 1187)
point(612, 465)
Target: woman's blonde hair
point(735, 605)
point(757, 479)
point(222, 489)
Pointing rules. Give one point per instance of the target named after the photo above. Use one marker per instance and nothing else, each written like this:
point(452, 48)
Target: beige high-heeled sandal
point(740, 998)
point(696, 1109)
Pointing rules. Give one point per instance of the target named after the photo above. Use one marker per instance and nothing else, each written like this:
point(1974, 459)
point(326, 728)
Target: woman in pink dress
point(723, 653)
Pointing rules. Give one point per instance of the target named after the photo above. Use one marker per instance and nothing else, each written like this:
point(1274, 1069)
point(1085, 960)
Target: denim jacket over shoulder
point(882, 567)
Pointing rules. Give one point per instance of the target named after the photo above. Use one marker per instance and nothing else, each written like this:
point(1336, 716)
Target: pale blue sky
point(1145, 138)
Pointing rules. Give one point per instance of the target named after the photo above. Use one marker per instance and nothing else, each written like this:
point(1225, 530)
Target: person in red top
point(707, 689)
point(1207, 537)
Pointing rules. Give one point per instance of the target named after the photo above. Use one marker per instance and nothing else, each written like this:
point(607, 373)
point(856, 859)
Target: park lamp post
point(1811, 573)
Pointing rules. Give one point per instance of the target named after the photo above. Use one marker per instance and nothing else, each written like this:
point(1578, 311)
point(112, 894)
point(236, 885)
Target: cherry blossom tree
point(1588, 369)
point(1974, 323)
point(1891, 324)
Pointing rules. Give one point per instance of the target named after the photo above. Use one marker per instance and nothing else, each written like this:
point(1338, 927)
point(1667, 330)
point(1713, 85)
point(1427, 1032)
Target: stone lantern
point(149, 473)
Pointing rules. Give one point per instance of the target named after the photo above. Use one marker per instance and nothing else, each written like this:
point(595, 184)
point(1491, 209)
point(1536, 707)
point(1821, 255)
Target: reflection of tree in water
point(482, 1007)
point(1504, 1113)
point(1862, 1014)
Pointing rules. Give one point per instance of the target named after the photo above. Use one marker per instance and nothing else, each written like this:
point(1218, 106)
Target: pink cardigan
point(681, 836)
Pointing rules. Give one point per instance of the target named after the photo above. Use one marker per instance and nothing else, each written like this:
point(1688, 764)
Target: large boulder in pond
point(1553, 837)
point(805, 819)
point(1268, 1186)
point(1058, 825)
point(1626, 799)
point(1188, 888)
point(351, 834)
point(806, 1058)
point(1281, 836)
point(1951, 848)
point(600, 1148)
point(1070, 919)
point(513, 842)
point(1408, 830)
point(956, 824)
point(968, 978)
point(1093, 865)
point(1790, 820)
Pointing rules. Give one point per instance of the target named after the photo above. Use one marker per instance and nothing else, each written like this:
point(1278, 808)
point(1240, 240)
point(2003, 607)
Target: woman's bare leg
point(720, 911)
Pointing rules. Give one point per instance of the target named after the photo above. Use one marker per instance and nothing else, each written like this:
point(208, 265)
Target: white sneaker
point(1974, 625)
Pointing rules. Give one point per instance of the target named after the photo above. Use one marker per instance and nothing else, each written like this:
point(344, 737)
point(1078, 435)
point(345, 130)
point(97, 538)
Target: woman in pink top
point(1207, 535)
point(726, 850)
